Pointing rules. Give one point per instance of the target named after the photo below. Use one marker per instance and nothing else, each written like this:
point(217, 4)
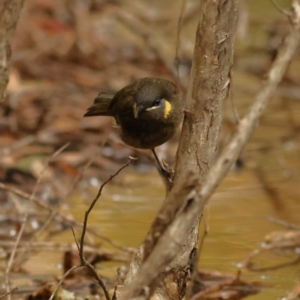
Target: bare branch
point(62, 280)
point(98, 278)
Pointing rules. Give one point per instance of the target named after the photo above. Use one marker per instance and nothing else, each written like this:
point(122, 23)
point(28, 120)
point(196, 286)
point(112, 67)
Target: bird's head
point(154, 100)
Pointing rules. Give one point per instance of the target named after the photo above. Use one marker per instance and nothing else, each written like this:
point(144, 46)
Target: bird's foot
point(165, 170)
point(168, 173)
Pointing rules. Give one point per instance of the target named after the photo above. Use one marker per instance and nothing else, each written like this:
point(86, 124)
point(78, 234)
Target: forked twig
point(84, 262)
point(62, 279)
point(80, 244)
point(94, 202)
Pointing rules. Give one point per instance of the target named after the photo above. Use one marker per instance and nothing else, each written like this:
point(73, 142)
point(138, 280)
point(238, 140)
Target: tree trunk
point(167, 271)
point(9, 15)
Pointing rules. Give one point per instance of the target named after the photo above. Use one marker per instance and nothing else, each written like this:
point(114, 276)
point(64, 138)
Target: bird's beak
point(138, 110)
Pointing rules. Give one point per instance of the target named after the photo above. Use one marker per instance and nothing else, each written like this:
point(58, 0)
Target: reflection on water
point(236, 214)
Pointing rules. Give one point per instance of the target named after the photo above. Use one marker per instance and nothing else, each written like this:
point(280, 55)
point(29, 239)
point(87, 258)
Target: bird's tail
point(100, 106)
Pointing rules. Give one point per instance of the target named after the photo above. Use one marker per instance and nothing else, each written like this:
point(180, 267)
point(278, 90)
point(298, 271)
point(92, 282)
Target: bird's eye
point(156, 102)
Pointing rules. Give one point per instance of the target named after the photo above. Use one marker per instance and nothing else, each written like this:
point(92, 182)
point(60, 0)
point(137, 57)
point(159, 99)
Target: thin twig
point(32, 196)
point(273, 268)
point(12, 255)
point(82, 258)
point(53, 213)
point(94, 202)
point(80, 245)
point(9, 292)
point(281, 10)
point(75, 239)
point(45, 225)
point(283, 223)
point(69, 220)
point(98, 278)
point(227, 283)
point(62, 279)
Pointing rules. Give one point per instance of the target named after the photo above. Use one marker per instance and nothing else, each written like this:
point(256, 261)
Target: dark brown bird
point(148, 112)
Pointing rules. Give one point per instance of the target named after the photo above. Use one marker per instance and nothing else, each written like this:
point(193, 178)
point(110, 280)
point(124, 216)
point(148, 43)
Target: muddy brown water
point(236, 216)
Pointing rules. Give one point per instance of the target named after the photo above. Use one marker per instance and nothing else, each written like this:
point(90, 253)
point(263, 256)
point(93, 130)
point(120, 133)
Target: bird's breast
point(145, 134)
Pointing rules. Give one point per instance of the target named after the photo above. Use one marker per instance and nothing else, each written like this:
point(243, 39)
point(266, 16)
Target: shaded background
point(64, 53)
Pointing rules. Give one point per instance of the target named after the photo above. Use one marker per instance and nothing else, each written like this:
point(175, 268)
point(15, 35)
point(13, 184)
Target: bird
point(147, 112)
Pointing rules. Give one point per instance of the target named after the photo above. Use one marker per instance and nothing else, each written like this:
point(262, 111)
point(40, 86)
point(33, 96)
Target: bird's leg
point(167, 174)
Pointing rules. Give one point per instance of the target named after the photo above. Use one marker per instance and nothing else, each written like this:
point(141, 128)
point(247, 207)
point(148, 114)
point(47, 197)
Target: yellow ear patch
point(134, 109)
point(167, 109)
